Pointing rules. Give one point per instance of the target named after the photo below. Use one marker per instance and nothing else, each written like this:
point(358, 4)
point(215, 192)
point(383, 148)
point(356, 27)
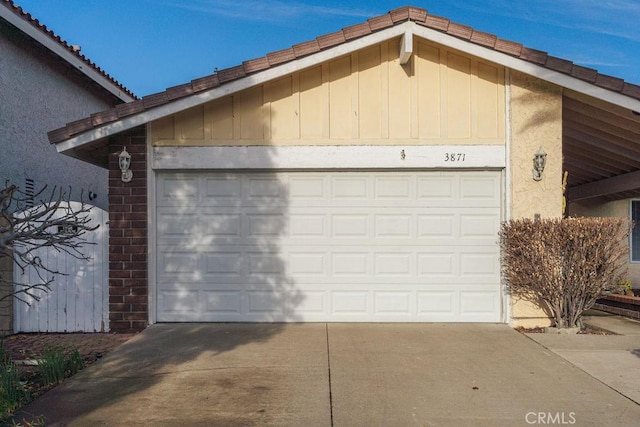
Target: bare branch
point(53, 223)
point(566, 263)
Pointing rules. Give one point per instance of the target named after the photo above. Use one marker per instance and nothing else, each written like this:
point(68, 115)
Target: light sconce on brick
point(124, 160)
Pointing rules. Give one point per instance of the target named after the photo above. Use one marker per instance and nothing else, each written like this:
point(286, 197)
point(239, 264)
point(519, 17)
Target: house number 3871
point(454, 157)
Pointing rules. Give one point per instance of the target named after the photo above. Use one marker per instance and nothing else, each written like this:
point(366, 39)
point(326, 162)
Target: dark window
point(635, 234)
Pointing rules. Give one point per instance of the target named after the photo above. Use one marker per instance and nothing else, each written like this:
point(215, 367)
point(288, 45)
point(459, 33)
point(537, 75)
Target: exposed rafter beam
point(617, 184)
point(406, 47)
point(593, 138)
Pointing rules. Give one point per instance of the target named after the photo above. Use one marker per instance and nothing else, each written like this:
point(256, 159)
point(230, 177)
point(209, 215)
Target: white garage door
point(328, 246)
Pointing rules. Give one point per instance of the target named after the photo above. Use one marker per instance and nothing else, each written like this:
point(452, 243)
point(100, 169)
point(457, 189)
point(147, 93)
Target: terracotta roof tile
point(306, 48)
point(417, 14)
point(154, 100)
point(609, 82)
point(355, 31)
point(104, 117)
point(129, 108)
point(79, 126)
point(485, 39)
point(58, 135)
point(508, 47)
point(400, 14)
point(179, 91)
point(255, 65)
point(207, 82)
point(227, 74)
point(380, 22)
point(27, 17)
point(533, 55)
point(631, 89)
point(437, 23)
point(280, 56)
point(559, 64)
point(330, 40)
point(584, 73)
point(459, 30)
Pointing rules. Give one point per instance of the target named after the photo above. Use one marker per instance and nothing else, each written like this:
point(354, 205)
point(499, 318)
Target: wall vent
point(29, 191)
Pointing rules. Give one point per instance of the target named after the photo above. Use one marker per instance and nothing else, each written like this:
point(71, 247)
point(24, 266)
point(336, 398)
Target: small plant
point(38, 421)
point(56, 366)
point(74, 363)
point(52, 366)
point(623, 287)
point(13, 392)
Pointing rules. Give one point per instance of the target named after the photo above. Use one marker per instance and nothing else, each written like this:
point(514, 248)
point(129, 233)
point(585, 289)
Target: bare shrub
point(565, 263)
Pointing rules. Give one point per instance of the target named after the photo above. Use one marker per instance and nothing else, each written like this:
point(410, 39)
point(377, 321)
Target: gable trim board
point(404, 29)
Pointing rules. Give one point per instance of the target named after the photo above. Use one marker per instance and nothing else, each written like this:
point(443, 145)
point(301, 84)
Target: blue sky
point(149, 45)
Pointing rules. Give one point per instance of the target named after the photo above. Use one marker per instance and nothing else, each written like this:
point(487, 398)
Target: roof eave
point(405, 28)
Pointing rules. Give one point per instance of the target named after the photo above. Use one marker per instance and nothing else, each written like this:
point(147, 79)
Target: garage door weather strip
point(329, 371)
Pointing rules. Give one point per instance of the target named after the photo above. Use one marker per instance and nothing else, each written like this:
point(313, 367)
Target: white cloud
point(617, 18)
point(264, 10)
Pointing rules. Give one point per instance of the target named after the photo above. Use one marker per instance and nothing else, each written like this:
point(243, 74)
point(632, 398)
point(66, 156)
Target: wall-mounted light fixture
point(124, 160)
point(539, 162)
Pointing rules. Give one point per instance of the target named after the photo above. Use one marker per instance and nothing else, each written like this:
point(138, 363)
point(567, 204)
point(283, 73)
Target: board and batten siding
point(440, 96)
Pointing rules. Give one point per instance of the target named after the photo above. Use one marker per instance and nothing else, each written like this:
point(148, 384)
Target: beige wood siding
point(440, 96)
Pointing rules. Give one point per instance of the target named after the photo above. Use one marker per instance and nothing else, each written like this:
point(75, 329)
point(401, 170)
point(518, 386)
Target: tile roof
point(28, 18)
point(407, 13)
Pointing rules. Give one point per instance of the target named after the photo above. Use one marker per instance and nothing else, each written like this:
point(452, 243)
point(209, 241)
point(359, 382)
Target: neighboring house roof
point(30, 26)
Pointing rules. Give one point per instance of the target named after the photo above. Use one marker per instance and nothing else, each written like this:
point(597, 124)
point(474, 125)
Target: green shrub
point(55, 366)
point(74, 363)
point(624, 287)
point(565, 263)
point(13, 392)
point(52, 366)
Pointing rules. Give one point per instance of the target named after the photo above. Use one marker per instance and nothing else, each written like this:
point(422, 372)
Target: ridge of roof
point(394, 17)
point(25, 16)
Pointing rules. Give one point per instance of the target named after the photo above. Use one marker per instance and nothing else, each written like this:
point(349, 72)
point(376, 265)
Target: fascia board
point(528, 68)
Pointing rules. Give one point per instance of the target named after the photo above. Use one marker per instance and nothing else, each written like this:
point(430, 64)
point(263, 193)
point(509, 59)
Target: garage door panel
point(308, 225)
point(328, 246)
point(218, 302)
point(386, 303)
point(437, 303)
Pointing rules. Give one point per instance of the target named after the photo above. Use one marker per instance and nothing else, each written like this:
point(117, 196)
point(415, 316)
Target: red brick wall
point(128, 247)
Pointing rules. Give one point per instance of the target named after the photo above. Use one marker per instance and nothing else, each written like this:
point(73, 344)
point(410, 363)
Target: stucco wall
point(617, 208)
point(39, 94)
point(535, 122)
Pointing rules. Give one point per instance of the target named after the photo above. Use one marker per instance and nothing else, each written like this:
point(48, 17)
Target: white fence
point(77, 302)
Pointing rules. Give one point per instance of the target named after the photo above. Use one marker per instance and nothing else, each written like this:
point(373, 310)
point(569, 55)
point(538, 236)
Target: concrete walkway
point(612, 359)
point(333, 374)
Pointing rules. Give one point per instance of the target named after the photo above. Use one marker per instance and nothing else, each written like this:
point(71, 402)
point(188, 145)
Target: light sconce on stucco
point(539, 162)
point(124, 160)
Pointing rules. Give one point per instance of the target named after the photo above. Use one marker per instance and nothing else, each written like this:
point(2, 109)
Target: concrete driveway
point(333, 374)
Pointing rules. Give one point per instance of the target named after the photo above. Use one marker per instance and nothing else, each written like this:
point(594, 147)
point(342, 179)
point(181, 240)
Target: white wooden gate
point(77, 302)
